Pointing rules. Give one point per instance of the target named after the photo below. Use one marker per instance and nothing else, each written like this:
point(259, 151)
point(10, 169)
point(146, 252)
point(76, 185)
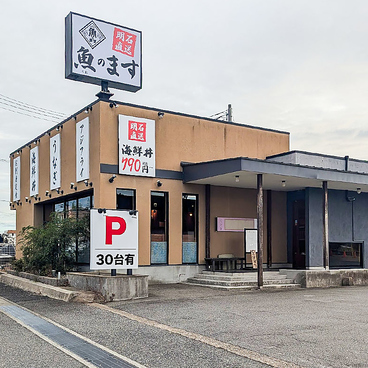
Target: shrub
point(52, 246)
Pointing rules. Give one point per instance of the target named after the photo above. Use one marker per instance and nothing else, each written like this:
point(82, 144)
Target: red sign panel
point(123, 42)
point(137, 131)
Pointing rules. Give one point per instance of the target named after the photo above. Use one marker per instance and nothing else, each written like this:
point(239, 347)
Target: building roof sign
point(97, 51)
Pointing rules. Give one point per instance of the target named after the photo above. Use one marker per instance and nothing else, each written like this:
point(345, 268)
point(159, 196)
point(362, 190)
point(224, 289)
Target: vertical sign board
point(33, 172)
point(82, 147)
point(55, 162)
point(114, 240)
point(16, 179)
point(137, 150)
point(98, 51)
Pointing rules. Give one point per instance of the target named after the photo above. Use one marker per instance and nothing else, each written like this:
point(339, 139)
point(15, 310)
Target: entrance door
point(299, 233)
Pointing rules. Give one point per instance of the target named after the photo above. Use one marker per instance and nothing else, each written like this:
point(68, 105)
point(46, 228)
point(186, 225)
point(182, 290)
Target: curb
point(50, 291)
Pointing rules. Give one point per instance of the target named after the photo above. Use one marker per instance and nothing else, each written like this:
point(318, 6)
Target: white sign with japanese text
point(137, 148)
point(114, 240)
point(33, 171)
point(55, 162)
point(99, 51)
point(16, 179)
point(82, 147)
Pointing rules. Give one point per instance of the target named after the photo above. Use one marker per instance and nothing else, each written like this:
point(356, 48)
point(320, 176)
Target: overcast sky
point(297, 66)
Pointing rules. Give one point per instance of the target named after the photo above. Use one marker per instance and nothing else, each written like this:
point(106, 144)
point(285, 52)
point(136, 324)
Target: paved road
point(189, 326)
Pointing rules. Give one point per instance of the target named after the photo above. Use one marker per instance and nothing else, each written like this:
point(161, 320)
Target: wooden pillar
point(326, 247)
point(208, 220)
point(260, 228)
point(269, 228)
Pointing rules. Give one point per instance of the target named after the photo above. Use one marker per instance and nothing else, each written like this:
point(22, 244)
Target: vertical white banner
point(33, 171)
point(82, 147)
point(137, 150)
point(16, 179)
point(55, 162)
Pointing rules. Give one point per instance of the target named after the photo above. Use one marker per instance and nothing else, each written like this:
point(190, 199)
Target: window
point(159, 228)
point(190, 228)
point(77, 208)
point(346, 255)
point(125, 199)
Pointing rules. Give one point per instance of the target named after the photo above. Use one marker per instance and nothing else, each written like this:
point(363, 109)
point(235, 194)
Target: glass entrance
point(189, 228)
point(299, 233)
point(159, 228)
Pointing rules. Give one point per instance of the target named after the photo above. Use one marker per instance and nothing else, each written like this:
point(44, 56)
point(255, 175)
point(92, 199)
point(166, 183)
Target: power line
point(32, 116)
point(32, 107)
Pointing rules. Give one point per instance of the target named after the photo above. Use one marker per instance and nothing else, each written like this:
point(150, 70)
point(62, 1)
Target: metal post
point(260, 228)
point(325, 227)
point(208, 220)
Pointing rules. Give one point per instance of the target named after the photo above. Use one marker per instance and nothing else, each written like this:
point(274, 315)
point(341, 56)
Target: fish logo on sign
point(92, 34)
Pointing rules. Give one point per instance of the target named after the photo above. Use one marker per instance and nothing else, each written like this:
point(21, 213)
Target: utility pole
point(229, 113)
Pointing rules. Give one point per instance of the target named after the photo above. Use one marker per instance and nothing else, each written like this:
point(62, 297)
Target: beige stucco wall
point(178, 138)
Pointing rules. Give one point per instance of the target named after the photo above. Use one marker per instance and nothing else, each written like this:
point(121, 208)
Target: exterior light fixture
point(58, 191)
point(88, 109)
point(359, 190)
point(48, 133)
point(59, 127)
point(26, 199)
point(159, 183)
point(160, 114)
point(113, 104)
point(283, 183)
point(237, 179)
point(86, 183)
point(47, 194)
point(111, 180)
point(72, 186)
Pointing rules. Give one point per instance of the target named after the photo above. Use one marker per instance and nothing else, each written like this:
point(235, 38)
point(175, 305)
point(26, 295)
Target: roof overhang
point(296, 177)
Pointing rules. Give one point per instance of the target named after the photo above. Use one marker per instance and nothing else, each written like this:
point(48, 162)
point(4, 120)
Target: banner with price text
point(136, 146)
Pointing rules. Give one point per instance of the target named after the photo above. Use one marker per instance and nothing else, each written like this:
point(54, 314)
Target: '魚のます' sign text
point(99, 51)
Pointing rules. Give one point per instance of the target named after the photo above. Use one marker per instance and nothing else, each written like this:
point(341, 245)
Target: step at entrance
point(246, 280)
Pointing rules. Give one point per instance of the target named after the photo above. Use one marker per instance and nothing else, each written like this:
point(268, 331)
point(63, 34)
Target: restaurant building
point(196, 183)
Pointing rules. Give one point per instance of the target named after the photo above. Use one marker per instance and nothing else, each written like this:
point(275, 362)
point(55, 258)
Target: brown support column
point(260, 228)
point(208, 220)
point(326, 250)
point(269, 228)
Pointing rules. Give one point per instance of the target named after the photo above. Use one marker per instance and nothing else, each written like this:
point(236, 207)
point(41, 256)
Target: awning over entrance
point(276, 175)
point(271, 174)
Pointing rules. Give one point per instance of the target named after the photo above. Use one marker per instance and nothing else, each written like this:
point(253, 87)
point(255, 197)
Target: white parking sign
point(114, 240)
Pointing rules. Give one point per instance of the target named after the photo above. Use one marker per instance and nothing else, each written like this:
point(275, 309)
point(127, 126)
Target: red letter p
point(110, 231)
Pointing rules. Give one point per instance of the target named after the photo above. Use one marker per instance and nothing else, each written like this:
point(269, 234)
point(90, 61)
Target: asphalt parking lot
point(189, 326)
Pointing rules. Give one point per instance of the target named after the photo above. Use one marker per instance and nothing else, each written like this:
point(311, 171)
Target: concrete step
point(206, 281)
point(238, 277)
point(248, 280)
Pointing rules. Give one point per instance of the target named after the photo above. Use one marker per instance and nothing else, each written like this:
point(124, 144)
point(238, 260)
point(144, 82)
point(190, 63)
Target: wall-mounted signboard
point(235, 224)
point(137, 150)
point(16, 179)
point(55, 162)
point(82, 149)
point(33, 171)
point(98, 51)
